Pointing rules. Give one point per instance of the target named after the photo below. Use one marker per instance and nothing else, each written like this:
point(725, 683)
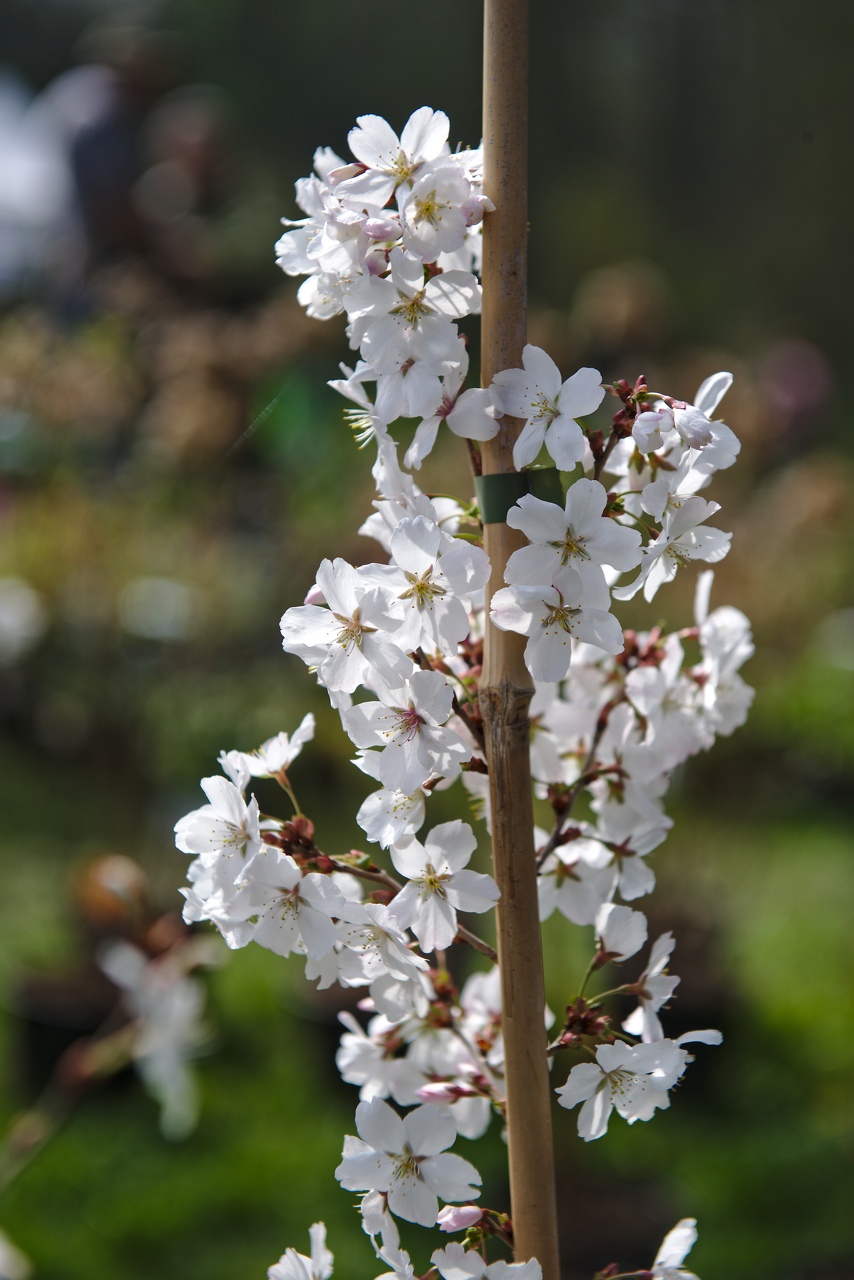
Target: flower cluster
point(392, 241)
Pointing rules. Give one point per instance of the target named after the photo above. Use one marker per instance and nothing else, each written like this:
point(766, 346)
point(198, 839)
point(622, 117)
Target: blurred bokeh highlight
point(173, 467)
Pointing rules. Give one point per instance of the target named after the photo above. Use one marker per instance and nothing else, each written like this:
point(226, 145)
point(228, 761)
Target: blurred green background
point(690, 210)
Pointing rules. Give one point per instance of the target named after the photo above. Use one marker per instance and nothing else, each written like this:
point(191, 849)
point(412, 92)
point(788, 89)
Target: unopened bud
point(458, 1217)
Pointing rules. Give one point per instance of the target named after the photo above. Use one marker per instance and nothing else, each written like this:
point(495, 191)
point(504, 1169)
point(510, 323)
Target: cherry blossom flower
point(345, 641)
point(549, 406)
point(577, 879)
point(680, 541)
point(405, 317)
point(634, 1079)
point(225, 833)
point(551, 616)
point(408, 1159)
point(408, 724)
point(377, 944)
point(433, 215)
point(578, 536)
point(471, 414)
point(387, 815)
point(296, 1266)
point(370, 1061)
point(434, 583)
point(294, 911)
point(620, 932)
point(389, 160)
point(438, 885)
point(657, 986)
point(276, 755)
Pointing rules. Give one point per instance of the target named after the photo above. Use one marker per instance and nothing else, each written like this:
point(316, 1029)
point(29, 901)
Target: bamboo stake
point(506, 686)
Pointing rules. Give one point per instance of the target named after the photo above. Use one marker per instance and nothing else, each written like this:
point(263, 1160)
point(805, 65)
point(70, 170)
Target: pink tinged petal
point(432, 696)
point(585, 502)
point(531, 565)
point(318, 932)
point(380, 1126)
point(407, 272)
point(409, 858)
point(473, 417)
point(539, 521)
point(548, 653)
point(411, 1199)
point(510, 392)
point(451, 1177)
point(700, 1037)
point(366, 1171)
point(711, 392)
point(453, 294)
point(425, 134)
point(594, 1114)
point(226, 799)
point(435, 925)
point(422, 443)
point(582, 393)
point(542, 370)
point(473, 891)
point(415, 544)
point(451, 844)
point(374, 142)
point(529, 443)
point(429, 1130)
point(599, 628)
point(565, 442)
point(677, 1244)
point(583, 1081)
point(615, 545)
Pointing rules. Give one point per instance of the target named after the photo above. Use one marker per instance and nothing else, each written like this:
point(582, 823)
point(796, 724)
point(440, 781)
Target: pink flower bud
point(475, 207)
point(382, 228)
point(443, 1091)
point(457, 1217)
point(315, 596)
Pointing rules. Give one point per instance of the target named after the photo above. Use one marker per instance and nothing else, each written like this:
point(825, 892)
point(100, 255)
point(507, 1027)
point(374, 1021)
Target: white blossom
point(549, 406)
point(408, 1159)
point(438, 886)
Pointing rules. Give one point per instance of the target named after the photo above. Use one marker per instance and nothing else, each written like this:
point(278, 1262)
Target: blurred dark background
point(173, 468)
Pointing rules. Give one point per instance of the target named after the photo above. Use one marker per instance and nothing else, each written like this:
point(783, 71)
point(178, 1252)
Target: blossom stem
point(506, 687)
point(586, 776)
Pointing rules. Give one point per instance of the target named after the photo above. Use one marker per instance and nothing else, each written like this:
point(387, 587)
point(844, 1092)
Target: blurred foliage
point(172, 469)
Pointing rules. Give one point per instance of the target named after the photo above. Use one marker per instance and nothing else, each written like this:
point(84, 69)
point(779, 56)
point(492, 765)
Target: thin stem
point(591, 969)
point(564, 816)
point(599, 465)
